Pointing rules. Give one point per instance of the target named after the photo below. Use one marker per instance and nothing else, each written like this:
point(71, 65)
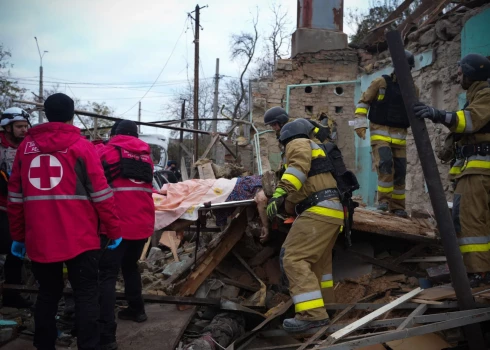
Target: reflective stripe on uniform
point(3, 208)
point(103, 198)
point(398, 194)
point(55, 197)
point(381, 94)
point(100, 193)
point(362, 108)
point(316, 130)
point(141, 189)
point(456, 168)
point(474, 244)
point(478, 162)
point(316, 151)
point(295, 176)
point(328, 208)
point(308, 301)
point(464, 124)
point(381, 135)
point(360, 122)
point(385, 187)
point(15, 200)
point(15, 194)
point(327, 281)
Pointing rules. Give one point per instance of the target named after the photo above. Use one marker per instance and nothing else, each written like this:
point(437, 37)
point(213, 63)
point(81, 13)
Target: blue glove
point(18, 249)
point(115, 243)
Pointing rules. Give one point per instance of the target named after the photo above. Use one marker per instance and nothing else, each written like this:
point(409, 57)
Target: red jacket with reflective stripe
point(58, 195)
point(7, 155)
point(134, 201)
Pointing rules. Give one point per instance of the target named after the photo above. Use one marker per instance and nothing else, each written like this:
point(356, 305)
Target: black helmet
point(410, 58)
point(276, 115)
point(296, 129)
point(475, 67)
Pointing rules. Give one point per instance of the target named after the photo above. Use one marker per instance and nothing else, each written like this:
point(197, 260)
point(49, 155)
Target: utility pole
point(41, 89)
point(215, 104)
point(139, 117)
point(196, 83)
point(182, 116)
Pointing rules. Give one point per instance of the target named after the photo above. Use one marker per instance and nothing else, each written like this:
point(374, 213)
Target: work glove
point(18, 249)
point(422, 111)
point(275, 203)
point(322, 133)
point(361, 132)
point(114, 243)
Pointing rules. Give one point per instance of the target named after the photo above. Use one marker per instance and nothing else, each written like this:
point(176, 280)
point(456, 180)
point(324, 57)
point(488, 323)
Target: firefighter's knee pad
point(385, 160)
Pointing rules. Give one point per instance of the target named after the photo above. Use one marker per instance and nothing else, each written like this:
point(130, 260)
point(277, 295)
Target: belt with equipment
point(466, 151)
point(316, 198)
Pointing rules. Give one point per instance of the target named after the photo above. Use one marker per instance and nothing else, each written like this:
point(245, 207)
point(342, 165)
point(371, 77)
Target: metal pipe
point(95, 115)
point(457, 269)
point(293, 86)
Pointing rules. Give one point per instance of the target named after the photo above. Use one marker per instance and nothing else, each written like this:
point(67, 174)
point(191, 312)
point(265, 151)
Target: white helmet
point(13, 114)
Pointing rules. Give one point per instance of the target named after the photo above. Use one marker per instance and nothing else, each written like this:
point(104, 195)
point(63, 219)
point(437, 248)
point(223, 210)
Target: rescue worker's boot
point(400, 212)
point(382, 207)
point(293, 325)
point(479, 278)
point(132, 315)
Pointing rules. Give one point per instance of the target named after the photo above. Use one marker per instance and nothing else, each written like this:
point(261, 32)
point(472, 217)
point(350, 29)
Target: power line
point(165, 65)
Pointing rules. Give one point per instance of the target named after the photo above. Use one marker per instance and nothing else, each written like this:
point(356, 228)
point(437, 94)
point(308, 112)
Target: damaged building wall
point(445, 42)
point(309, 102)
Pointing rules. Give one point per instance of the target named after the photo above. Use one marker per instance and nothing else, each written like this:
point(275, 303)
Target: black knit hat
point(114, 127)
point(127, 127)
point(59, 108)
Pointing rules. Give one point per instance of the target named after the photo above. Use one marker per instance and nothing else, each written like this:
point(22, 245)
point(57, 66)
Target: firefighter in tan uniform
point(308, 189)
point(388, 128)
point(277, 117)
point(471, 168)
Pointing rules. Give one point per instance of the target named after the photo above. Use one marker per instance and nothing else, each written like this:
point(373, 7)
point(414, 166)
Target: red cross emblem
point(45, 172)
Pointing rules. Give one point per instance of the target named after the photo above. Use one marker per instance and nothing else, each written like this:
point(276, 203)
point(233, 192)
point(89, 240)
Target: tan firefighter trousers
point(391, 165)
point(471, 217)
point(308, 266)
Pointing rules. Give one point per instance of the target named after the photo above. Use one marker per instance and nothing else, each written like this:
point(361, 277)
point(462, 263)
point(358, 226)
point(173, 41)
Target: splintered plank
point(445, 292)
point(215, 255)
point(149, 335)
point(393, 226)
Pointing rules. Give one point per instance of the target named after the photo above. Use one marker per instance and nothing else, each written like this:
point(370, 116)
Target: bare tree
point(277, 43)
point(243, 48)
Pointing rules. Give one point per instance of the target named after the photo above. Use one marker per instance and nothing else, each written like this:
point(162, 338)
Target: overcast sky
point(123, 45)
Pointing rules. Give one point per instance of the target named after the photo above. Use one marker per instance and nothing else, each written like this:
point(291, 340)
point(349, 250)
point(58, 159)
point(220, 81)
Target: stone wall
point(309, 102)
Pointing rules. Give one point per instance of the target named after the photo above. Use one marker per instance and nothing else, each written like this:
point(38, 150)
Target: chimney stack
point(319, 26)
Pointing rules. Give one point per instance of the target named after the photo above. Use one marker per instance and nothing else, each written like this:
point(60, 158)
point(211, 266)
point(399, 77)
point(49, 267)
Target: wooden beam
point(215, 256)
point(368, 318)
point(228, 148)
point(409, 254)
point(386, 264)
point(211, 144)
point(162, 299)
point(418, 311)
point(186, 150)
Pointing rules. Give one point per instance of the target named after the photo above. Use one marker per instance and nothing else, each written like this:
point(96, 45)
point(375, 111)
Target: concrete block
point(313, 40)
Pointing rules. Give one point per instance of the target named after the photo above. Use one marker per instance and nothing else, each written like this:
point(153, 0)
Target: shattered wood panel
point(162, 331)
point(215, 256)
point(394, 226)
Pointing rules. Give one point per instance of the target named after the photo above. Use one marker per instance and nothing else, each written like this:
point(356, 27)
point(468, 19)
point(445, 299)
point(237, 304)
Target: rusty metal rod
point(95, 115)
point(438, 200)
